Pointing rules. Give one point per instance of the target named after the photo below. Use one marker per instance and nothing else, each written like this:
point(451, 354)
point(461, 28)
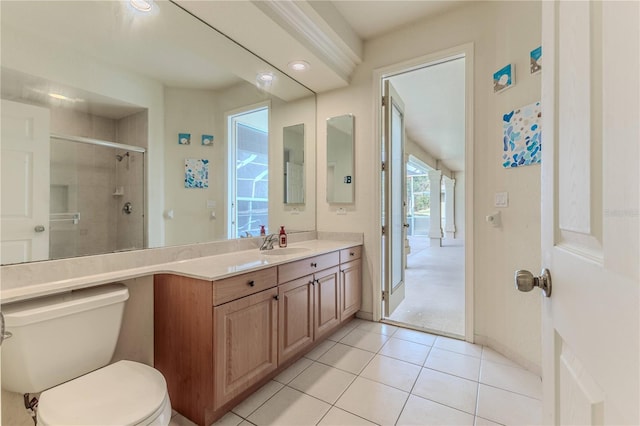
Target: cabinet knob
point(276, 297)
point(312, 282)
point(251, 283)
point(314, 264)
point(351, 253)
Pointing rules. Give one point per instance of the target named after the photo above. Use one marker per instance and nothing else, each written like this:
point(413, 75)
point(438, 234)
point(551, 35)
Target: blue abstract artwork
point(196, 173)
point(184, 138)
point(521, 144)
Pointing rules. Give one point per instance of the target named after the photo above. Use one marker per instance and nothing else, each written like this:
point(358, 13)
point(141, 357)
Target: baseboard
point(513, 356)
point(365, 315)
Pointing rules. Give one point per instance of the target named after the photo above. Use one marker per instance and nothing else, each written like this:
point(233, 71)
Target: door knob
point(39, 228)
point(525, 281)
point(406, 225)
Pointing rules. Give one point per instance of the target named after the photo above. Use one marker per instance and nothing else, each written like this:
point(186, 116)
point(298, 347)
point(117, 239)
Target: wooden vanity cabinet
point(350, 281)
point(244, 343)
point(215, 342)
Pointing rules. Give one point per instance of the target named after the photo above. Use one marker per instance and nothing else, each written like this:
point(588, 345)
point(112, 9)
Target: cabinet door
point(350, 289)
point(245, 343)
point(295, 317)
point(327, 301)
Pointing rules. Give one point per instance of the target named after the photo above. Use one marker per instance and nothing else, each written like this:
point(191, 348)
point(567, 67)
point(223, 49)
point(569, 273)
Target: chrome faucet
point(267, 243)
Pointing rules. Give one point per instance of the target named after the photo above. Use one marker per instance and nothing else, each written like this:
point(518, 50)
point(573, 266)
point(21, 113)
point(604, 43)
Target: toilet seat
point(123, 393)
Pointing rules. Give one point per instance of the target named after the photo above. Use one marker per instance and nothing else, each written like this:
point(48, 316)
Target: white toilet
point(61, 344)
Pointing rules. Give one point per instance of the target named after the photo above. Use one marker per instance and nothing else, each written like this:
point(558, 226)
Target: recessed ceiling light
point(142, 5)
point(64, 98)
point(267, 77)
point(299, 65)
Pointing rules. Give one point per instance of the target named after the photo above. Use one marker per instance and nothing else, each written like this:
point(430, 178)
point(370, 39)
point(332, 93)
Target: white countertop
point(208, 268)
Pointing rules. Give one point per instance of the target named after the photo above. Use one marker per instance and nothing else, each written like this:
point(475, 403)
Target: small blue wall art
point(504, 78)
point(521, 142)
point(184, 138)
point(536, 60)
point(196, 173)
point(207, 140)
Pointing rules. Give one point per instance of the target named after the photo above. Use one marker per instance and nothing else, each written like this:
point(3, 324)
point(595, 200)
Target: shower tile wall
point(83, 178)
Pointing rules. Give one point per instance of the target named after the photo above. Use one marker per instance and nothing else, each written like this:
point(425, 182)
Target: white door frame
point(378, 75)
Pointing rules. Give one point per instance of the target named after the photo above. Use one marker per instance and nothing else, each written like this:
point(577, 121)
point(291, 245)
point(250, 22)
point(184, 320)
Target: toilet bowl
point(123, 393)
point(62, 346)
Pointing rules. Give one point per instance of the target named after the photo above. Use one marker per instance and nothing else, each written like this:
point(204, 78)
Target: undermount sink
point(285, 251)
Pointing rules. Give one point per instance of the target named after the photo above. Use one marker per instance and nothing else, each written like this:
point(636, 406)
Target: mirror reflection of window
point(249, 191)
point(340, 159)
point(293, 143)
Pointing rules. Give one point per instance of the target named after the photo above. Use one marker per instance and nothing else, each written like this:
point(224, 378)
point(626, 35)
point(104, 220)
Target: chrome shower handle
point(3, 333)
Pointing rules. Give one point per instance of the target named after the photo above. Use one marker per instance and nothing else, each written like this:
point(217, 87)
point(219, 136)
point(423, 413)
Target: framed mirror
point(340, 159)
point(293, 147)
point(134, 122)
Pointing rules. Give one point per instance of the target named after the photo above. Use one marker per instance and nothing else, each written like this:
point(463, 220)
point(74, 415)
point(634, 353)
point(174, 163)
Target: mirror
point(340, 161)
point(293, 164)
point(164, 87)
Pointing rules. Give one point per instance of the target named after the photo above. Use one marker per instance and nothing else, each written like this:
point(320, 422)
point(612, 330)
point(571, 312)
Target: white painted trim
point(466, 51)
point(311, 29)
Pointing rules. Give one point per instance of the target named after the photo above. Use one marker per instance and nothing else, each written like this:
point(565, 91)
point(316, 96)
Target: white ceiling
point(370, 19)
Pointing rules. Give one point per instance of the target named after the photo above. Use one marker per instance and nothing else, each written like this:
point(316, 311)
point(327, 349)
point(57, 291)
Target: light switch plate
point(501, 199)
point(341, 211)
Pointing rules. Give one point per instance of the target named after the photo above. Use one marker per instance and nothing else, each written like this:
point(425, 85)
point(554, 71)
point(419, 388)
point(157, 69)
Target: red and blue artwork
point(521, 142)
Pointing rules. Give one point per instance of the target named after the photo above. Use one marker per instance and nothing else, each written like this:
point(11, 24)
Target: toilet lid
point(123, 393)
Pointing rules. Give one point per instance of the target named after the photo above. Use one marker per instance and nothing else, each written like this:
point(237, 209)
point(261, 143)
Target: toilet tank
point(60, 337)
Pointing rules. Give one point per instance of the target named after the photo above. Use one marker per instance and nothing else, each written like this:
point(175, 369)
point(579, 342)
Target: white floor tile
point(405, 350)
point(392, 372)
point(420, 411)
point(346, 358)
point(180, 420)
point(229, 419)
point(320, 350)
point(458, 346)
point(257, 398)
point(378, 327)
point(323, 382)
point(373, 401)
point(246, 423)
point(484, 422)
point(446, 389)
point(508, 408)
point(361, 339)
point(454, 363)
point(511, 378)
point(336, 336)
point(293, 370)
point(489, 354)
point(415, 336)
point(338, 417)
point(290, 407)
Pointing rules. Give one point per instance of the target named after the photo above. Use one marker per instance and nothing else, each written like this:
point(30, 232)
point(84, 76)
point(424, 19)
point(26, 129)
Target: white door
point(395, 199)
point(25, 183)
point(590, 212)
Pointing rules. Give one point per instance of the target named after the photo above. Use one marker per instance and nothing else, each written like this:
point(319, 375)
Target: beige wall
point(502, 32)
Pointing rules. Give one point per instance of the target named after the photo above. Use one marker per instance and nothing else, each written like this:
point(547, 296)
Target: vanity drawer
point(239, 286)
point(350, 254)
point(307, 266)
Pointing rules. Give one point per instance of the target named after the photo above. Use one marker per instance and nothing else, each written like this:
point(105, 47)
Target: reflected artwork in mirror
point(99, 71)
point(293, 137)
point(340, 159)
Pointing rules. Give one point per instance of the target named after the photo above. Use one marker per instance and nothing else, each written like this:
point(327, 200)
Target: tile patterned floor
point(369, 373)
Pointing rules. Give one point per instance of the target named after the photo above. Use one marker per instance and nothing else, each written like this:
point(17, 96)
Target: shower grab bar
point(99, 142)
point(62, 217)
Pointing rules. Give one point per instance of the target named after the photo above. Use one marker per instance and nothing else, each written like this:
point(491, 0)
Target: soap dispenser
point(282, 239)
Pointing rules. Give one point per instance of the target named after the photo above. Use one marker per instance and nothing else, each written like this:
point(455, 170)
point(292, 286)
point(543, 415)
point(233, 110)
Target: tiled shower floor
point(370, 373)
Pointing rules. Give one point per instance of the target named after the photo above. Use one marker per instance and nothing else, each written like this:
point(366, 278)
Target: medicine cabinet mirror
point(294, 179)
point(160, 89)
point(340, 159)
